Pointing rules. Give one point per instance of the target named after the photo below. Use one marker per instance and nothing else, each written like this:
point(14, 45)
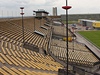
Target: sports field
point(92, 36)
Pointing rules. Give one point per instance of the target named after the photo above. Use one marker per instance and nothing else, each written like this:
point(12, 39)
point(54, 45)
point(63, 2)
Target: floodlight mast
point(22, 13)
point(66, 8)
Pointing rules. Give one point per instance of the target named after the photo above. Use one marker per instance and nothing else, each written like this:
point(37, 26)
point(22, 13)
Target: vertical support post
point(34, 23)
point(40, 21)
point(66, 7)
point(22, 24)
point(23, 29)
point(67, 36)
point(34, 19)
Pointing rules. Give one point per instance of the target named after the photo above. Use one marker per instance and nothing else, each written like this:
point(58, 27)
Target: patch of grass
point(70, 22)
point(92, 36)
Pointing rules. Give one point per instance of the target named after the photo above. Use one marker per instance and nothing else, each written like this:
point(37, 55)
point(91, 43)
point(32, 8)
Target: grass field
point(92, 36)
point(70, 22)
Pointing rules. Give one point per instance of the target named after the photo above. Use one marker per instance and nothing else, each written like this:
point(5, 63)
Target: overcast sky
point(12, 7)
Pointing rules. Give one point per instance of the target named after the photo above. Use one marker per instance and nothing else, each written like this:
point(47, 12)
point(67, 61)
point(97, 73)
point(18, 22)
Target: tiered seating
point(15, 71)
point(17, 58)
point(14, 32)
point(81, 55)
point(29, 24)
point(76, 45)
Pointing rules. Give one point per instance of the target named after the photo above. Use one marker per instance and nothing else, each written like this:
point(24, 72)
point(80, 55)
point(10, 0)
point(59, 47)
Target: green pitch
point(92, 36)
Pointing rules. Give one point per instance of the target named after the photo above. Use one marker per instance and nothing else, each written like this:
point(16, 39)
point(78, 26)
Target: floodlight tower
point(22, 13)
point(66, 8)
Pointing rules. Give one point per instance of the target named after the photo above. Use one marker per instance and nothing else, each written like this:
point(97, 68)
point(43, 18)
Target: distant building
point(54, 11)
point(41, 12)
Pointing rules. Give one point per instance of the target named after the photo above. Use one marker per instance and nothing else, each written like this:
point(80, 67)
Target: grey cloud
point(78, 6)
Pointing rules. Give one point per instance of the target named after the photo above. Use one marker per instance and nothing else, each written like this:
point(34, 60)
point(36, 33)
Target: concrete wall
point(75, 17)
